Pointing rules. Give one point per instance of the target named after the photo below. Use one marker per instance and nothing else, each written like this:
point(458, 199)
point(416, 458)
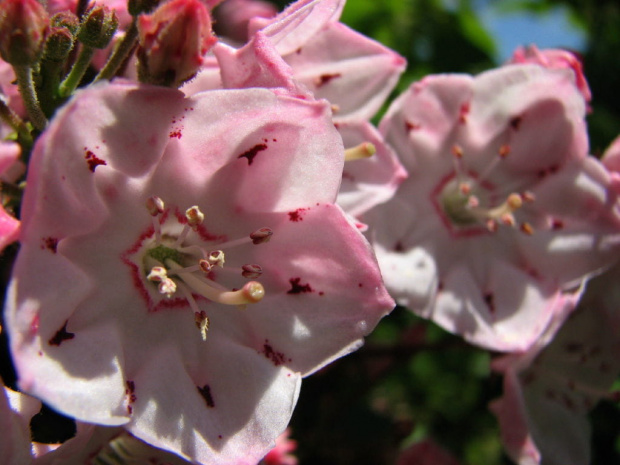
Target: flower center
point(468, 203)
point(173, 266)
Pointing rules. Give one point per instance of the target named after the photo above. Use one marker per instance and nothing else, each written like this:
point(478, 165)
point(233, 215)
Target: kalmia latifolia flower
point(549, 389)
point(356, 76)
point(503, 213)
point(195, 265)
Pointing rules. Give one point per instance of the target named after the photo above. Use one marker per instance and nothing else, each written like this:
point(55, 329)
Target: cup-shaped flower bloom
point(150, 217)
point(503, 212)
point(173, 40)
point(549, 389)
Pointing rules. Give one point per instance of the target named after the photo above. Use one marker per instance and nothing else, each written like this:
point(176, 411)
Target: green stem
point(12, 119)
point(50, 83)
point(121, 52)
point(77, 72)
point(29, 96)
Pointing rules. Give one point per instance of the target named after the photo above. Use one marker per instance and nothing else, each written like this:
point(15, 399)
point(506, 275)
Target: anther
point(205, 265)
point(363, 150)
point(194, 217)
point(202, 323)
point(262, 235)
point(216, 258)
point(526, 228)
point(251, 271)
point(528, 196)
point(457, 151)
point(166, 285)
point(155, 205)
point(504, 151)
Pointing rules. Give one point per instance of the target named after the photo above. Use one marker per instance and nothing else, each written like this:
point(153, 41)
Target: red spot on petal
point(557, 224)
point(61, 335)
point(277, 358)
point(298, 288)
point(515, 122)
point(93, 160)
point(49, 243)
point(251, 153)
point(176, 134)
point(489, 299)
point(205, 392)
point(325, 79)
point(409, 126)
point(296, 215)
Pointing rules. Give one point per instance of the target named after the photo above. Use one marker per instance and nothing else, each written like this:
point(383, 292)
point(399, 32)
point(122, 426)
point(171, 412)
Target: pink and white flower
point(556, 59)
point(140, 334)
point(504, 213)
point(549, 389)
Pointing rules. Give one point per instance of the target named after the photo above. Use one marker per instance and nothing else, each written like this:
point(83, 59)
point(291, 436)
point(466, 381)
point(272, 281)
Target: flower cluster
point(198, 216)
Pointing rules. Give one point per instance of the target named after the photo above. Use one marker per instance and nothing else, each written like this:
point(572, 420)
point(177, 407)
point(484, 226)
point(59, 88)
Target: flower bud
point(98, 26)
point(67, 20)
point(173, 41)
point(23, 24)
point(58, 44)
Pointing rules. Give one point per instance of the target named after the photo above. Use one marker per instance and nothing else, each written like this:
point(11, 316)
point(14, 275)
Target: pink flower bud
point(173, 41)
point(23, 24)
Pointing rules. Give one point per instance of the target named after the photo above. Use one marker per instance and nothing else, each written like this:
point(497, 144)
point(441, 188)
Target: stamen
point(363, 150)
point(216, 258)
point(457, 151)
point(251, 292)
point(527, 228)
point(194, 217)
point(261, 236)
point(202, 323)
point(155, 206)
point(251, 271)
point(200, 316)
point(166, 285)
point(205, 265)
point(504, 151)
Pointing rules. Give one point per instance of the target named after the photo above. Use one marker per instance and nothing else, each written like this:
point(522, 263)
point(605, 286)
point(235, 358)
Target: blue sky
point(514, 29)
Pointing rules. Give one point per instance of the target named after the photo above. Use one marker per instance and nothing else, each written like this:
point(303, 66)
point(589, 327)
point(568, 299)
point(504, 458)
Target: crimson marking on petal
point(205, 392)
point(277, 358)
point(251, 153)
point(409, 126)
point(175, 134)
point(489, 299)
point(131, 396)
point(297, 288)
point(296, 215)
point(515, 122)
point(219, 436)
point(49, 243)
point(61, 335)
point(463, 112)
point(326, 78)
point(93, 160)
